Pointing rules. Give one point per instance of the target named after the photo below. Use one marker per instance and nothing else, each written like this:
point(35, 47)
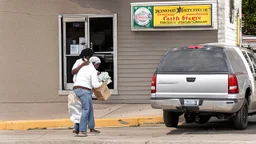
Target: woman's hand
point(85, 63)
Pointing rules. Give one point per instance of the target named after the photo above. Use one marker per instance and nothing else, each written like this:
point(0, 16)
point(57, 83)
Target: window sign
point(143, 17)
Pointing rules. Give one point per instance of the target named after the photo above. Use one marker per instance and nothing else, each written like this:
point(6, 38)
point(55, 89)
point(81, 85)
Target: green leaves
point(249, 18)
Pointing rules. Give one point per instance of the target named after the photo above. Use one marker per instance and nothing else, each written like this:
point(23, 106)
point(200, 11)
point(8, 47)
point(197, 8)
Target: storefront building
point(41, 39)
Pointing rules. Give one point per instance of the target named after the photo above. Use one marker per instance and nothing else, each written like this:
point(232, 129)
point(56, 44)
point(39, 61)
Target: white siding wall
point(221, 14)
point(215, 15)
point(227, 31)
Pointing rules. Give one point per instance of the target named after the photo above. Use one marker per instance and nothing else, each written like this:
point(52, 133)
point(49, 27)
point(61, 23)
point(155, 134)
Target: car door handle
point(191, 79)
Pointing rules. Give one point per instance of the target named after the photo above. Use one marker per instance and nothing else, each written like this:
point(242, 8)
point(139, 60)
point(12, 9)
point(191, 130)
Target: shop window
point(87, 31)
point(231, 11)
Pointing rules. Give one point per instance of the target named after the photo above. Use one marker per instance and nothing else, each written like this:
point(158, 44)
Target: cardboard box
point(102, 93)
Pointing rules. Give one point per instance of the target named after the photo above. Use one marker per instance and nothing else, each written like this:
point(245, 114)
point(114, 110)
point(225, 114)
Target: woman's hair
point(88, 52)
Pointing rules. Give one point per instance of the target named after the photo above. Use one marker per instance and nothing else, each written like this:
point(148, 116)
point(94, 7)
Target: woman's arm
point(76, 70)
point(95, 80)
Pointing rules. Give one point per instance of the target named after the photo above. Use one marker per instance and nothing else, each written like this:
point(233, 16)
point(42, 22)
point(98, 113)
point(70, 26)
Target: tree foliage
point(249, 17)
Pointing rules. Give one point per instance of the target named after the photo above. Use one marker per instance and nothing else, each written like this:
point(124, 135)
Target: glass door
point(75, 39)
point(101, 39)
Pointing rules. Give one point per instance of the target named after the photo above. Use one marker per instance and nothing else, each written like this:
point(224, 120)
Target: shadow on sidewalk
point(220, 127)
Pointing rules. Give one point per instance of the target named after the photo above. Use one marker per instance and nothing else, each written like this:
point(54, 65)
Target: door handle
point(191, 79)
point(91, 45)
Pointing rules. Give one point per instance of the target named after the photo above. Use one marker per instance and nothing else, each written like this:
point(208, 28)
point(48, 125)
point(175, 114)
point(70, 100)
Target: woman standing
point(86, 80)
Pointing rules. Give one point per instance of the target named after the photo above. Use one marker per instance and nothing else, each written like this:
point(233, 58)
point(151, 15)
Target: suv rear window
point(206, 60)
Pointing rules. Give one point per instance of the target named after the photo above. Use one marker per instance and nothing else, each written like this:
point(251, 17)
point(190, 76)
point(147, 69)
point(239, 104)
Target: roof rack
point(248, 47)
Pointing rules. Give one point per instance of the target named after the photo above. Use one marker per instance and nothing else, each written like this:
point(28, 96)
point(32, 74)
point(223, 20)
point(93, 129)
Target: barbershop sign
point(173, 16)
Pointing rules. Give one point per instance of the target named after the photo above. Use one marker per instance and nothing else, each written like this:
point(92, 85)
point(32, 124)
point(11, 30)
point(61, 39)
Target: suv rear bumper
point(206, 105)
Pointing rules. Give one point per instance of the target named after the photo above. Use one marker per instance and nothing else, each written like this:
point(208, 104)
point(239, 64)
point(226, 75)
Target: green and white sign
point(142, 17)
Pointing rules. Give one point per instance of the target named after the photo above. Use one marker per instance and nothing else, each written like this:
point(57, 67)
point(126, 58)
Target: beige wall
point(29, 49)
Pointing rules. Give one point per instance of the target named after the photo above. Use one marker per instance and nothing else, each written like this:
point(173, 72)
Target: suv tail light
point(232, 84)
point(195, 47)
point(153, 84)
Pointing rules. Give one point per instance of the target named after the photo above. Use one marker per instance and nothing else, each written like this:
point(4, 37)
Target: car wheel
point(171, 119)
point(240, 121)
point(204, 119)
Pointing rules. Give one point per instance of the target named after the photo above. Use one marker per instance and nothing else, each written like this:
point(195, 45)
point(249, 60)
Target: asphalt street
point(216, 131)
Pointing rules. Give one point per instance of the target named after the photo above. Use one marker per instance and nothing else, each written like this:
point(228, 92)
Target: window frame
point(248, 59)
point(62, 91)
point(64, 46)
point(253, 62)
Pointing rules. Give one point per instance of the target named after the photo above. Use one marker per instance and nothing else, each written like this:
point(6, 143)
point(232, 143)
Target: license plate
point(191, 102)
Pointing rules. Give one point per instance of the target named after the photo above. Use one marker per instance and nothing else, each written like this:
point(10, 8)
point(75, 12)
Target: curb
point(113, 122)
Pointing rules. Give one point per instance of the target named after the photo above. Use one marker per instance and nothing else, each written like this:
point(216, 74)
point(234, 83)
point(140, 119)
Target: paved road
point(215, 132)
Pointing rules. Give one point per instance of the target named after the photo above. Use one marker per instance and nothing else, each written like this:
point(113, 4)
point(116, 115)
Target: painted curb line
point(57, 123)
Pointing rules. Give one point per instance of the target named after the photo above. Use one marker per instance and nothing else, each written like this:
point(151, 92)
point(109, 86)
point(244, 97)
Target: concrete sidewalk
point(107, 115)
point(48, 111)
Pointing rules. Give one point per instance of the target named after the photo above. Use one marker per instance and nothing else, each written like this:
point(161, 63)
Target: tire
point(171, 119)
point(240, 121)
point(204, 119)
